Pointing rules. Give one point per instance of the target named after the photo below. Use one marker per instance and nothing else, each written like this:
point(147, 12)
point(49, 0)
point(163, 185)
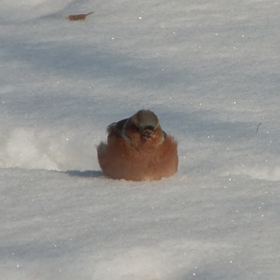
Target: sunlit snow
point(210, 70)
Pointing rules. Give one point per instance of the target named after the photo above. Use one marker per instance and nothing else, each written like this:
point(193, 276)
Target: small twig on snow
point(258, 127)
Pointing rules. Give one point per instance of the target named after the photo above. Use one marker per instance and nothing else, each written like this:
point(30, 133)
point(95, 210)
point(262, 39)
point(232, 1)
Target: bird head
point(146, 123)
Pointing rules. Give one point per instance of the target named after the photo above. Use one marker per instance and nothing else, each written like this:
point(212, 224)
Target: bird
point(137, 149)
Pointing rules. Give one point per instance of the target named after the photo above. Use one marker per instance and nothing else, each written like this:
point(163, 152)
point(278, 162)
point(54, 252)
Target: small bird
point(137, 149)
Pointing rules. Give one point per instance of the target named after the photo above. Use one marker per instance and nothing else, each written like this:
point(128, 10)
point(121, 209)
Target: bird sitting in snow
point(138, 149)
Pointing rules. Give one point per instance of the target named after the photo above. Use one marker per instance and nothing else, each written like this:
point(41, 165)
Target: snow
point(209, 70)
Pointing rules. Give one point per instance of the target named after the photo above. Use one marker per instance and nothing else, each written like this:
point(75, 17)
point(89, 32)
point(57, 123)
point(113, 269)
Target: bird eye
point(150, 127)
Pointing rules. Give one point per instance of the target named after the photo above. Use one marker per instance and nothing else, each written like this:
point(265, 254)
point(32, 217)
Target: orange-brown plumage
point(138, 149)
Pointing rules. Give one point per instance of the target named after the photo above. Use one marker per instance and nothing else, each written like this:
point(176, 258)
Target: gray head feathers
point(145, 118)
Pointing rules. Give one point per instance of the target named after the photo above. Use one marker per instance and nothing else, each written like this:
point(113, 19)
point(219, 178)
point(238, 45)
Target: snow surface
point(210, 71)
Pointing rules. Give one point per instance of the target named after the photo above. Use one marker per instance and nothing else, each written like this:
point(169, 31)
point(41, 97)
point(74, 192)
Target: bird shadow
point(85, 173)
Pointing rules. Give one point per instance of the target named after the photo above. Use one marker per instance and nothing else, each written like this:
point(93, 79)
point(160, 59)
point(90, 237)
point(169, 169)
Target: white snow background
point(210, 70)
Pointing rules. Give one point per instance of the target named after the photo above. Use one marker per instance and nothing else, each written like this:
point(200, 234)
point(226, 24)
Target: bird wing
point(114, 130)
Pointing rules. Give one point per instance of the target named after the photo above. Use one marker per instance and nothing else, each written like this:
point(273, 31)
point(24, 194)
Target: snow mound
point(47, 149)
point(271, 173)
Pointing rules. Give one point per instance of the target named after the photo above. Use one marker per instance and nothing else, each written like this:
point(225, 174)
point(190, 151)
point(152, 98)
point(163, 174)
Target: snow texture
point(209, 70)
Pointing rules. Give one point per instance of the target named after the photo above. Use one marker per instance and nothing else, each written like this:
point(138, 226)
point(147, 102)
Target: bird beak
point(147, 134)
